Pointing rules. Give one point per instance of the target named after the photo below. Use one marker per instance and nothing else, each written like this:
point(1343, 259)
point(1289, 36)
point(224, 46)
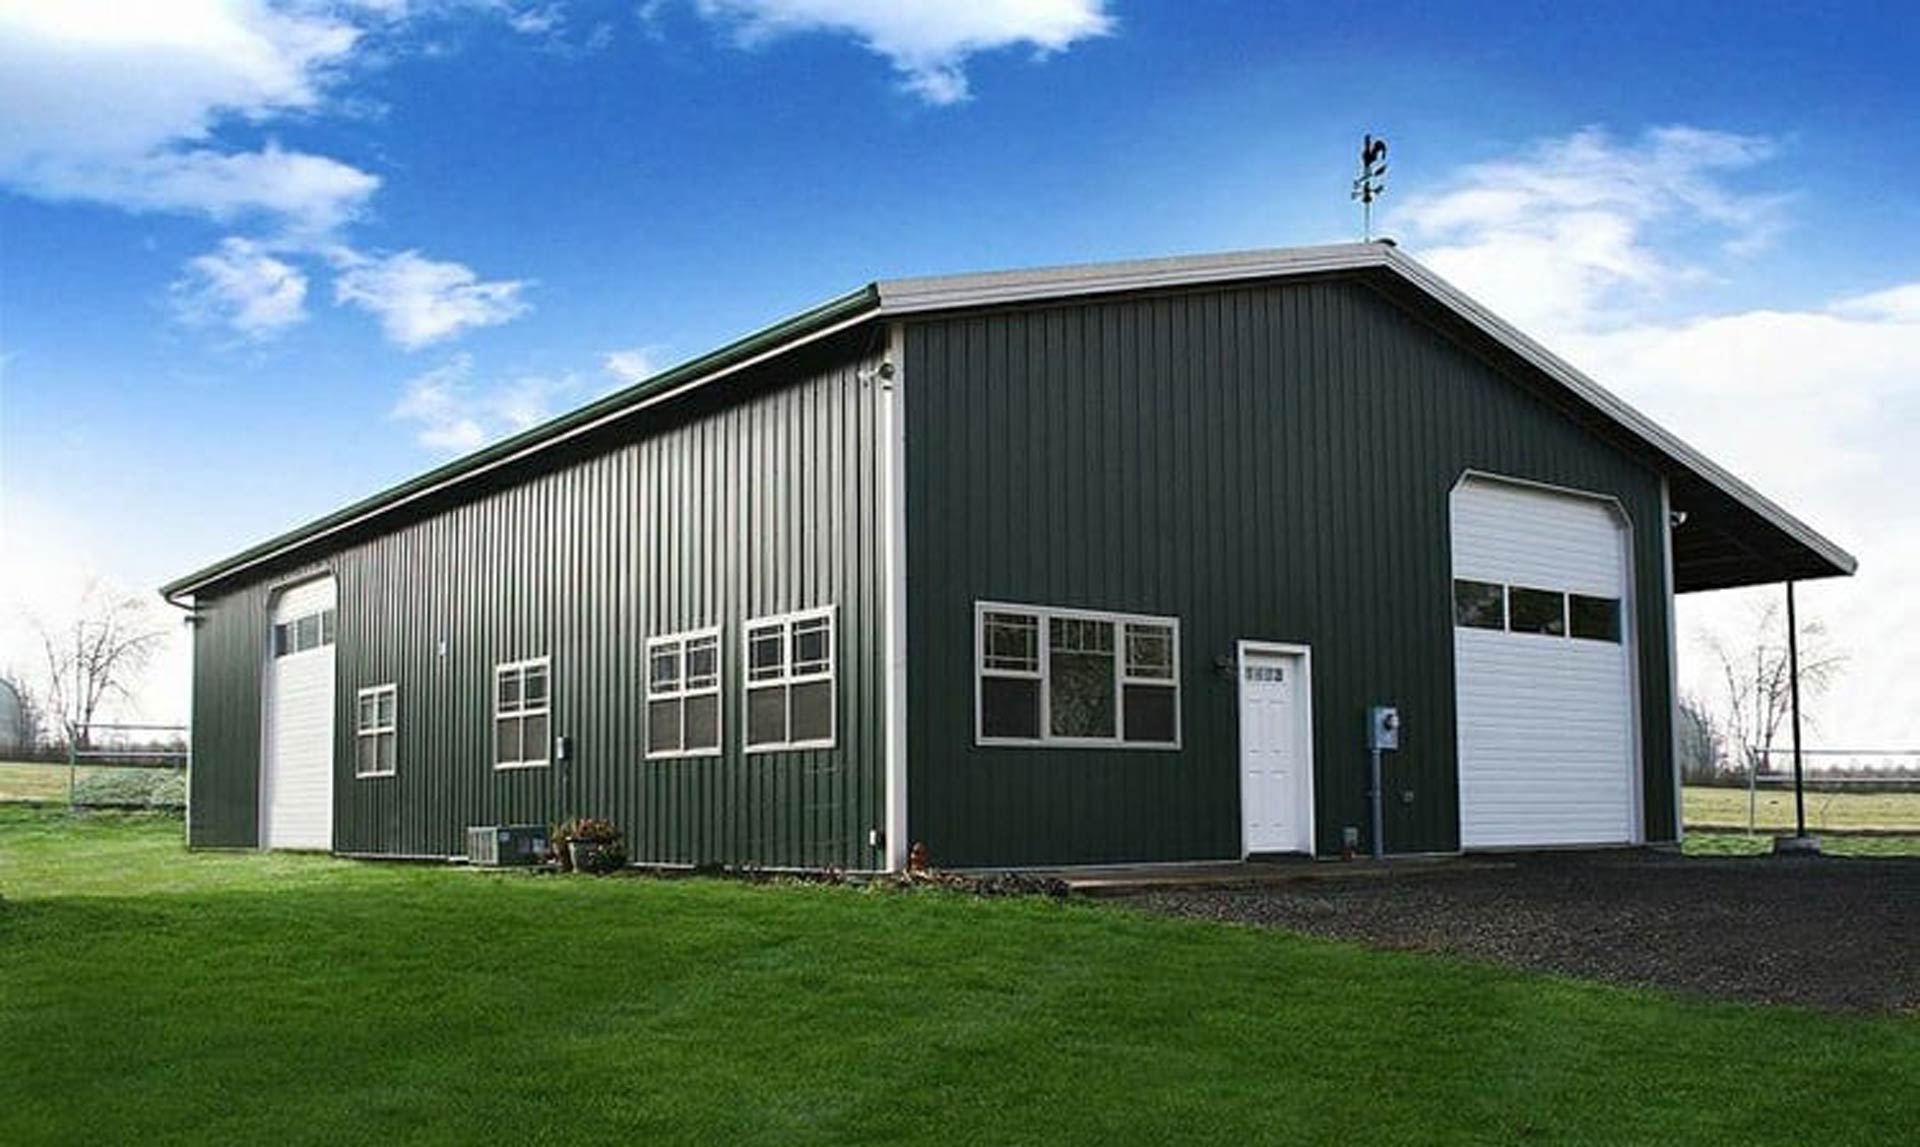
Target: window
point(374, 725)
point(683, 695)
point(1537, 611)
point(1518, 609)
point(1594, 618)
point(521, 706)
point(300, 634)
point(1479, 604)
point(790, 687)
point(1072, 677)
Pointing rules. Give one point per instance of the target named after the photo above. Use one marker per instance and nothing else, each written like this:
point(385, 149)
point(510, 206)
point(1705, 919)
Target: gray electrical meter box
point(1383, 727)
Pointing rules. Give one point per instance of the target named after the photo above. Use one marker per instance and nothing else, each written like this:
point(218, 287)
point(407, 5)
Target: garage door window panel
point(1541, 611)
point(1594, 618)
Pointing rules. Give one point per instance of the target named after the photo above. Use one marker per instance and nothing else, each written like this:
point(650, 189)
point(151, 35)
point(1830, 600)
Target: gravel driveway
point(1825, 932)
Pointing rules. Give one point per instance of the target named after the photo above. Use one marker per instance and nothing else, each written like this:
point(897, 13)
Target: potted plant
point(590, 844)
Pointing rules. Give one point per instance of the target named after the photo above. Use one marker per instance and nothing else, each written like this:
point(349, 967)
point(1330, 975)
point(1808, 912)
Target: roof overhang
point(1732, 534)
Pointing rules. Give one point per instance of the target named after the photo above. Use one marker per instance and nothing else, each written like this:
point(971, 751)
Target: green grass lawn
point(150, 995)
point(1825, 810)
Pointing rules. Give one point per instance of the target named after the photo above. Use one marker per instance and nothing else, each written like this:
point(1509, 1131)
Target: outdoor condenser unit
point(506, 845)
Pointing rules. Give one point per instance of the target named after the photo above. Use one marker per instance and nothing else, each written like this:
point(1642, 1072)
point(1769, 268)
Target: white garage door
point(1542, 661)
point(296, 798)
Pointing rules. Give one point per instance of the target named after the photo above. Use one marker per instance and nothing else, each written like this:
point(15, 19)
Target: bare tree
point(1701, 743)
point(1757, 683)
point(100, 657)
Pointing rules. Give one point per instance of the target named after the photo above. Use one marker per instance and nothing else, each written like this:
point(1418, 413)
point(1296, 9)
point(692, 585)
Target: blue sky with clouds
point(257, 259)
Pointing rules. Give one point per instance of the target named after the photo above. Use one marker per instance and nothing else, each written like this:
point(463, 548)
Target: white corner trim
point(894, 451)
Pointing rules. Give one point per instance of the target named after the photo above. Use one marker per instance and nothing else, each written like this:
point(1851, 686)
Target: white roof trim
point(953, 292)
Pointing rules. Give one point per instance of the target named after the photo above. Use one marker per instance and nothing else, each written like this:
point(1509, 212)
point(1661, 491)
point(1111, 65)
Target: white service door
point(296, 799)
point(1275, 766)
point(1546, 723)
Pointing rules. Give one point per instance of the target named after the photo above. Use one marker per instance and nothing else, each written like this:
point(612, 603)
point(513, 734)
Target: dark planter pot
point(595, 856)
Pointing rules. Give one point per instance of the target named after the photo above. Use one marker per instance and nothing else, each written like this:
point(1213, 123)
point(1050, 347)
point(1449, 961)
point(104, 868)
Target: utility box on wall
point(1383, 728)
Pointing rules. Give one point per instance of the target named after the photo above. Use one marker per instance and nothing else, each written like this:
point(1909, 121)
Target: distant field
point(43, 783)
point(1727, 808)
point(31, 781)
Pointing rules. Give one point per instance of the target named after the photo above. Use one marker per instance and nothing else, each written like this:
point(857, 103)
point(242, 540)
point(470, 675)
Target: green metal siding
point(761, 501)
point(229, 648)
point(1270, 462)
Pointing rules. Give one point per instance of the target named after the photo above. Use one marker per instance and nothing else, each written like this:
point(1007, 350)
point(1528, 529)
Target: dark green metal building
point(1084, 565)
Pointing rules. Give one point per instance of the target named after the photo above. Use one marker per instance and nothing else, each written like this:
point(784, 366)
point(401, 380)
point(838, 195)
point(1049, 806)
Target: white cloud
point(243, 287)
point(421, 301)
point(928, 42)
point(1594, 246)
point(1585, 229)
point(454, 413)
point(537, 20)
point(119, 103)
point(634, 364)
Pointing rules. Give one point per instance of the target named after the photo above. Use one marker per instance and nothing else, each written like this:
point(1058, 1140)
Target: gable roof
point(1743, 539)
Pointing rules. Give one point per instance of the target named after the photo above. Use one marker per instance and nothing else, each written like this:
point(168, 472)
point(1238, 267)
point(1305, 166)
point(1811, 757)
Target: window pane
point(1150, 714)
point(282, 640)
point(506, 740)
point(306, 632)
point(364, 755)
point(384, 742)
point(665, 673)
point(326, 627)
point(366, 718)
point(766, 653)
point(812, 643)
point(1595, 618)
point(536, 686)
point(663, 726)
point(507, 690)
point(383, 708)
point(1012, 641)
point(1537, 611)
point(767, 715)
point(1080, 635)
point(813, 711)
point(703, 662)
point(1080, 686)
point(1150, 651)
point(703, 723)
point(533, 738)
point(1010, 707)
point(1479, 605)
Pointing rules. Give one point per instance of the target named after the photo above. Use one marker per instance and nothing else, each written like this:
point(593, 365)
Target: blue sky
point(258, 259)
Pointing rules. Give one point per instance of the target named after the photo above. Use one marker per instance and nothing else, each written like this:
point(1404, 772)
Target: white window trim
point(787, 678)
point(523, 712)
point(1045, 614)
point(391, 728)
point(681, 693)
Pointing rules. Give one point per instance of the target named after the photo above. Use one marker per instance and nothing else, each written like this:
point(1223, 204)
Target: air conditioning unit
point(506, 845)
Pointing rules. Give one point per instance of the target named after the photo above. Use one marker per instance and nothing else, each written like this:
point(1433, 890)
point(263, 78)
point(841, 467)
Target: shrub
point(131, 788)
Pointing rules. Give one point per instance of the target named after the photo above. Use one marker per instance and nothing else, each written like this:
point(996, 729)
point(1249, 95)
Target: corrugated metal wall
point(1272, 462)
point(762, 504)
point(223, 779)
